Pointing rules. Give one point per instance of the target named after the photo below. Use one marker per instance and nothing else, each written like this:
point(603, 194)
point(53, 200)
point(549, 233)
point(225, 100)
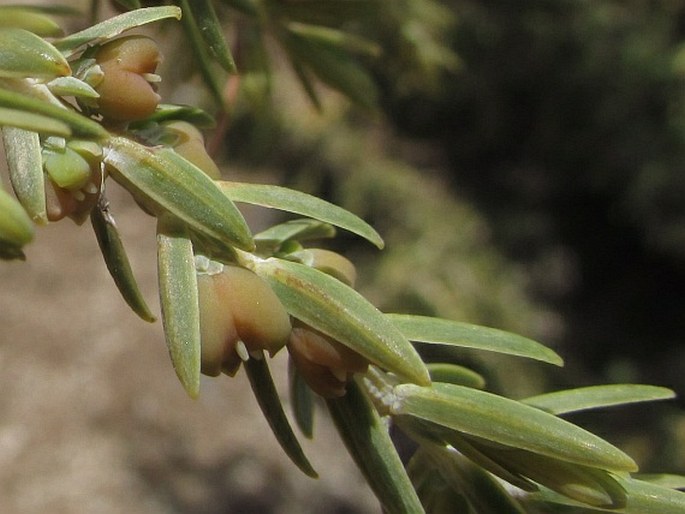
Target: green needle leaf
point(24, 54)
point(337, 310)
point(290, 200)
point(66, 168)
point(25, 164)
point(467, 448)
point(307, 82)
point(455, 374)
point(166, 182)
point(28, 18)
point(16, 229)
point(170, 112)
point(212, 33)
point(267, 397)
point(271, 239)
point(436, 495)
point(588, 485)
point(662, 479)
point(641, 498)
point(333, 65)
point(508, 422)
point(33, 122)
point(197, 42)
point(71, 86)
point(79, 124)
point(116, 260)
point(584, 398)
point(115, 26)
point(366, 438)
point(179, 300)
point(302, 401)
point(425, 329)
point(483, 492)
point(335, 38)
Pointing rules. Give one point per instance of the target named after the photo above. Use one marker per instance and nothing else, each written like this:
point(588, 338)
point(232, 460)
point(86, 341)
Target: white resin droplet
point(242, 352)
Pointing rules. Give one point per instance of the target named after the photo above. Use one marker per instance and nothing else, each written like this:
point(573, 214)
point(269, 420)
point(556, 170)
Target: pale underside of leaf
point(179, 301)
point(25, 164)
point(432, 434)
point(588, 485)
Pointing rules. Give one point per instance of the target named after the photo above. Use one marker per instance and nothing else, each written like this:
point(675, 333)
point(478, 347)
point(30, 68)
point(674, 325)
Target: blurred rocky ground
point(93, 419)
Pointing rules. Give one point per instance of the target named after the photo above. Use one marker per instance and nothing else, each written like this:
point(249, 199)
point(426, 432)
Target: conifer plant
point(81, 109)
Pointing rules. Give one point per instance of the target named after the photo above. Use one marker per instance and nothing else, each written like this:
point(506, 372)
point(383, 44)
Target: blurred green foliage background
point(526, 175)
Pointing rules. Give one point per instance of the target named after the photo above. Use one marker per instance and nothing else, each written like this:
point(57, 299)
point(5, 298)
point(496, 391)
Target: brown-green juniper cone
point(239, 313)
point(325, 364)
point(128, 87)
point(190, 144)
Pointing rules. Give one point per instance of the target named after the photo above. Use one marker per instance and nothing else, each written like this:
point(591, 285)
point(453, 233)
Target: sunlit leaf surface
point(331, 307)
point(24, 54)
point(114, 26)
point(508, 422)
point(166, 181)
point(425, 329)
point(25, 164)
point(179, 301)
point(285, 199)
point(594, 397)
